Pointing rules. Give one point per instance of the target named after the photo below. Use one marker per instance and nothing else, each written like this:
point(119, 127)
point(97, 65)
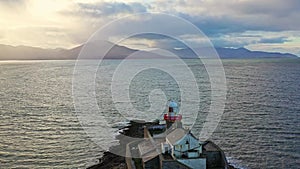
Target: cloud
point(235, 23)
point(236, 16)
point(12, 3)
point(149, 40)
point(48, 36)
point(274, 8)
point(254, 37)
point(111, 8)
point(273, 40)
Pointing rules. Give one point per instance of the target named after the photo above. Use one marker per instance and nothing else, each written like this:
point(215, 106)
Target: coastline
point(113, 161)
point(133, 129)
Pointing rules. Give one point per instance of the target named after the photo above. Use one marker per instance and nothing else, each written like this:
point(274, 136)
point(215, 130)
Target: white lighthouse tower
point(172, 118)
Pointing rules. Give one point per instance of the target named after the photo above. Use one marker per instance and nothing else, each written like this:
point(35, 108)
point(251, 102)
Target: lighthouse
point(172, 117)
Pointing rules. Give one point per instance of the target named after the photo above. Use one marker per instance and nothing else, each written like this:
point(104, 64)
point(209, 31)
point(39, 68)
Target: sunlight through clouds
point(258, 25)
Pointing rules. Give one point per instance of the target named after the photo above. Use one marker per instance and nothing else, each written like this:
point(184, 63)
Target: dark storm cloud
point(240, 16)
point(275, 15)
point(275, 8)
point(217, 18)
point(214, 26)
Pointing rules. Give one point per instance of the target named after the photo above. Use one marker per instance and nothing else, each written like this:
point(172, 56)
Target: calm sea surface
point(39, 128)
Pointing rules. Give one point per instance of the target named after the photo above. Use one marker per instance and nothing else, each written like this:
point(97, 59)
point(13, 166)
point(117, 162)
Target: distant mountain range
point(120, 52)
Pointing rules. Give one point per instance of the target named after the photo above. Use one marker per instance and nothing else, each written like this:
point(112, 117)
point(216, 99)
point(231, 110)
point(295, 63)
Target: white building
point(184, 147)
point(179, 147)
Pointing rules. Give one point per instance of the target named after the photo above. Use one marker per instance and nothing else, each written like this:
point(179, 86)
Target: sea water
point(40, 128)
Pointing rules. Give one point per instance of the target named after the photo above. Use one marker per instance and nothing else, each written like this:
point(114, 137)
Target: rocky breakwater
point(136, 129)
point(113, 161)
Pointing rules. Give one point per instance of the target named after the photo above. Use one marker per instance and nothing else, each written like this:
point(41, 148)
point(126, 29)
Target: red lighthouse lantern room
point(172, 116)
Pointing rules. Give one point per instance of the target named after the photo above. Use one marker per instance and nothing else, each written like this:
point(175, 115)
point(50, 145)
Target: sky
point(265, 25)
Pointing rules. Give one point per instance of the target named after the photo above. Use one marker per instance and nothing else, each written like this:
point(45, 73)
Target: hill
point(121, 52)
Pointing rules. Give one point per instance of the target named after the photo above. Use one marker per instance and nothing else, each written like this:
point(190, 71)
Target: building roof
point(149, 150)
point(152, 154)
point(180, 136)
point(146, 147)
point(176, 135)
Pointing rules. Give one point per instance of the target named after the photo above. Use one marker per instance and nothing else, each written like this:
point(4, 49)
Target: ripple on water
point(39, 128)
